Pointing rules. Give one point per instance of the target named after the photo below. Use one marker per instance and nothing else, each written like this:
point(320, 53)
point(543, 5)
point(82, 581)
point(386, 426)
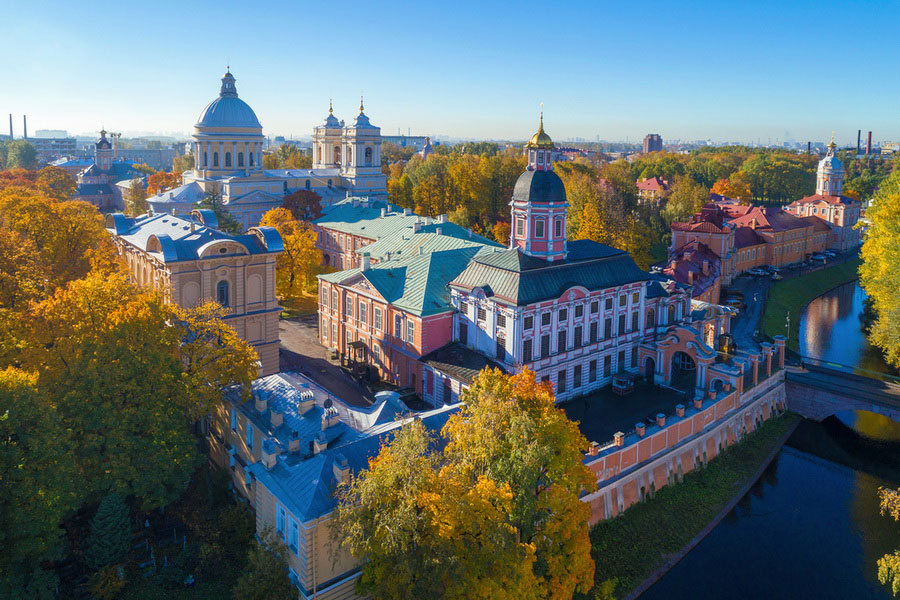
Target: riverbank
point(792, 295)
point(634, 550)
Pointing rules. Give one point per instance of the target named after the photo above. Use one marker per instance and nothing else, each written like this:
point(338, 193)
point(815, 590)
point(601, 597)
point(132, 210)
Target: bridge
point(817, 389)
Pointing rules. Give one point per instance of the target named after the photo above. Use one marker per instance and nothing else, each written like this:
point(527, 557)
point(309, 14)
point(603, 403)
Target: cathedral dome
point(228, 110)
point(540, 139)
point(541, 187)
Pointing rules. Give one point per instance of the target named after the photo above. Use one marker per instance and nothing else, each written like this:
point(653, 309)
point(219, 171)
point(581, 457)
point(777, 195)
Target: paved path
point(301, 351)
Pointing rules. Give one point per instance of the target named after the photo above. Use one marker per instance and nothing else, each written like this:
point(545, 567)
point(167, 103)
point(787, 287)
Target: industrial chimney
point(24, 127)
point(869, 144)
point(858, 139)
point(10, 126)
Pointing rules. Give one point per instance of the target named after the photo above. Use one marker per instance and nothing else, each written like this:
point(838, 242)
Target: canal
point(810, 527)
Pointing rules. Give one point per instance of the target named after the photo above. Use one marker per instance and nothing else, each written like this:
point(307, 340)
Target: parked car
point(818, 256)
point(830, 254)
point(776, 276)
point(757, 272)
point(734, 294)
point(735, 303)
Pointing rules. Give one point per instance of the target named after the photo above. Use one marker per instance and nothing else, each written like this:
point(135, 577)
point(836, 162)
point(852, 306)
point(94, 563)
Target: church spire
point(330, 109)
point(228, 87)
point(360, 104)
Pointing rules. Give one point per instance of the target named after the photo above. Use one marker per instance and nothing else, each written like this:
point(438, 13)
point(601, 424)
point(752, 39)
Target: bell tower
point(830, 174)
point(104, 152)
point(539, 205)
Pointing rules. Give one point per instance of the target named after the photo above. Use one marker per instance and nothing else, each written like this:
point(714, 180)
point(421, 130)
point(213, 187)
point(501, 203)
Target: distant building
point(652, 143)
point(190, 261)
point(426, 150)
point(652, 190)
point(839, 212)
point(51, 133)
point(49, 149)
point(157, 158)
point(97, 182)
point(403, 141)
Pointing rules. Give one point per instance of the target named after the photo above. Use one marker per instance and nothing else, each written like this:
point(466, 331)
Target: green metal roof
point(366, 221)
point(406, 242)
point(417, 284)
point(512, 277)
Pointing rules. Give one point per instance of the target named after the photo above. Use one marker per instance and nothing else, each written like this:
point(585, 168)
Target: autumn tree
point(880, 266)
point(686, 197)
point(305, 205)
point(56, 183)
point(162, 181)
point(889, 564)
point(183, 162)
point(227, 223)
point(265, 575)
point(136, 198)
point(401, 191)
point(18, 154)
point(737, 190)
point(494, 513)
point(501, 232)
point(298, 262)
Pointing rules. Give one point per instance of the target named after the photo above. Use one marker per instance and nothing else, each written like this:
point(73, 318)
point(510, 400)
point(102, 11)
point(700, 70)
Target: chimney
point(421, 250)
point(690, 278)
point(660, 420)
point(679, 410)
point(341, 468)
point(25, 128)
point(417, 226)
point(294, 443)
point(365, 262)
point(174, 212)
point(470, 232)
point(706, 267)
point(698, 403)
point(10, 126)
point(440, 230)
point(383, 212)
point(594, 450)
point(320, 443)
point(673, 264)
point(269, 454)
point(406, 212)
point(442, 218)
point(260, 401)
point(307, 401)
point(858, 139)
point(869, 144)
point(193, 227)
point(330, 417)
point(276, 417)
point(640, 429)
point(619, 439)
point(809, 147)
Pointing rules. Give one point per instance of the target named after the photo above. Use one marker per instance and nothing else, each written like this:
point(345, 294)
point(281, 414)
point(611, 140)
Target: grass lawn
point(306, 304)
point(628, 548)
point(791, 295)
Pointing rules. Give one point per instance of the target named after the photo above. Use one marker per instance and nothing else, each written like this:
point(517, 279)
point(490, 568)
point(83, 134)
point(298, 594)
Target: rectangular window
point(281, 522)
point(592, 371)
point(234, 423)
point(529, 323)
point(463, 333)
point(576, 343)
point(608, 303)
point(379, 324)
point(563, 315)
point(607, 365)
point(349, 306)
point(334, 300)
point(595, 306)
point(448, 392)
point(579, 311)
point(620, 364)
point(576, 377)
point(324, 329)
point(561, 341)
point(607, 328)
point(334, 333)
point(501, 320)
point(376, 352)
point(558, 228)
point(526, 350)
point(398, 326)
point(636, 297)
point(593, 332)
point(634, 321)
point(249, 436)
point(410, 331)
point(545, 345)
point(545, 319)
point(561, 382)
point(501, 348)
point(520, 227)
point(634, 357)
point(464, 308)
point(482, 314)
point(294, 538)
point(363, 312)
point(621, 329)
point(325, 297)
point(539, 228)
point(623, 299)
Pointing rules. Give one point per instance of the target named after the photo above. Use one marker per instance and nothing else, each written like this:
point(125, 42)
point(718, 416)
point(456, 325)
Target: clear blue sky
point(690, 70)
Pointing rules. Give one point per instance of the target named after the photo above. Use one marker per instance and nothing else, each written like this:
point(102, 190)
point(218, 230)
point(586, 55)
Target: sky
point(725, 71)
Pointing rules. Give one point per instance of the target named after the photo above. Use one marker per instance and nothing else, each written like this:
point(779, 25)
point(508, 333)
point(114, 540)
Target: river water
point(810, 527)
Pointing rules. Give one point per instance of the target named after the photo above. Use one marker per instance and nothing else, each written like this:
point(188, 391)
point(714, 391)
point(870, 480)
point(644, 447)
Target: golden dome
point(540, 139)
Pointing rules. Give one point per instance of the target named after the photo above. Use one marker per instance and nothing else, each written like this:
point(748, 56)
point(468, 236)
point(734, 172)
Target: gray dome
point(228, 110)
point(539, 187)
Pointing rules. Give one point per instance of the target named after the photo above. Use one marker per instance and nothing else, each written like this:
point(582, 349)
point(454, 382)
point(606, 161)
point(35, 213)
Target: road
point(301, 351)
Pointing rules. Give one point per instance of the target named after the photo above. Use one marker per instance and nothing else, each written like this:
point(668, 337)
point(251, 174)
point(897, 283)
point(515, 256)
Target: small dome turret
point(228, 110)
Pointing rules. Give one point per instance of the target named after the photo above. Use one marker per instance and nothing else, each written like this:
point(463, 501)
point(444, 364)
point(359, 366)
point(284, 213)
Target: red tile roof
point(686, 266)
point(653, 184)
point(770, 218)
point(817, 198)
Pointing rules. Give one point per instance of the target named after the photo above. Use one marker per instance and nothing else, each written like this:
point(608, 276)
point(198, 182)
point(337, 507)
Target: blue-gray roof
point(94, 189)
point(539, 187)
point(176, 240)
point(228, 110)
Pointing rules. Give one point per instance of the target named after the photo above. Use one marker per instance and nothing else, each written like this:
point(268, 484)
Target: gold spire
point(540, 139)
point(360, 104)
point(541, 126)
point(831, 144)
point(330, 110)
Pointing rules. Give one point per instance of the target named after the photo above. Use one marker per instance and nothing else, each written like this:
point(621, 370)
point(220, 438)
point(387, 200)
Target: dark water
point(810, 527)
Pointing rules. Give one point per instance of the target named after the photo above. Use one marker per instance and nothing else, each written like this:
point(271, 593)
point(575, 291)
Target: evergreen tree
point(265, 577)
point(110, 532)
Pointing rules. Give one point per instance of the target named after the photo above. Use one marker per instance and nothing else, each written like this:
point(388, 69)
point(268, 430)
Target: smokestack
point(25, 127)
point(869, 144)
point(858, 139)
point(10, 126)
point(809, 147)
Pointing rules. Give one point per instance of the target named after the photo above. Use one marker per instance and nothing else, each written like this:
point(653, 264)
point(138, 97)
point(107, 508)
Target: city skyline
point(615, 73)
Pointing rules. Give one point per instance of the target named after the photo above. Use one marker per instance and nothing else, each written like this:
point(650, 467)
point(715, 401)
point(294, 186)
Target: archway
point(650, 369)
point(683, 374)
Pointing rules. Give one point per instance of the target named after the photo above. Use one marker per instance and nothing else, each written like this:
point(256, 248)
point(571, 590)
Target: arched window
point(215, 159)
point(329, 183)
point(222, 293)
point(308, 184)
point(349, 155)
point(337, 155)
point(368, 157)
point(228, 159)
point(240, 159)
point(318, 153)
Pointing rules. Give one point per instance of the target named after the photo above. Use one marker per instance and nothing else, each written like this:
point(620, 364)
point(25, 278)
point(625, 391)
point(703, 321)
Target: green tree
point(265, 576)
point(685, 198)
point(110, 533)
point(136, 198)
point(183, 162)
point(880, 266)
point(889, 564)
point(20, 154)
point(227, 222)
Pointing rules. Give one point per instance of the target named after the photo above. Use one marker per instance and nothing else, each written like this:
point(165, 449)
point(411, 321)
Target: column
point(246, 157)
point(755, 360)
point(780, 341)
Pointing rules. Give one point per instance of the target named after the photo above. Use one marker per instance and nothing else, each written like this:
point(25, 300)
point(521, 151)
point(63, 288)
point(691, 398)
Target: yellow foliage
point(298, 263)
